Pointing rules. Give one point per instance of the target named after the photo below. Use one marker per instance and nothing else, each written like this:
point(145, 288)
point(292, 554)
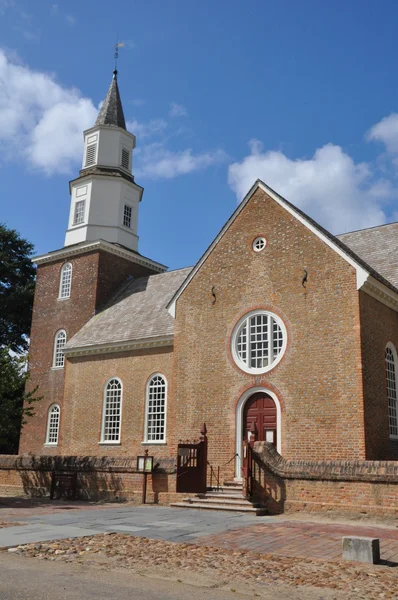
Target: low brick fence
point(369, 487)
point(99, 478)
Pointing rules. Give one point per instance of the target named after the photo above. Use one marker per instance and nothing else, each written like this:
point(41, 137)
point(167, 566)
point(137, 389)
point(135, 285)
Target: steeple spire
point(111, 112)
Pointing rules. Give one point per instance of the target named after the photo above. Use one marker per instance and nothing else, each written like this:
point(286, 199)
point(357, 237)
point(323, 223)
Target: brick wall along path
point(306, 540)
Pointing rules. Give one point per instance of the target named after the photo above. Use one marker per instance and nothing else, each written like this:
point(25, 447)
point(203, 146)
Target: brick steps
point(228, 498)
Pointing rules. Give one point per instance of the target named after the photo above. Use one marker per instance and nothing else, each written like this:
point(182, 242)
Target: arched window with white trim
point(59, 345)
point(54, 413)
point(155, 409)
point(112, 411)
point(391, 377)
point(65, 281)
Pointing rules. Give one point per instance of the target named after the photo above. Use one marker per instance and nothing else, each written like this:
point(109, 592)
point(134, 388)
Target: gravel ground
point(122, 551)
point(8, 524)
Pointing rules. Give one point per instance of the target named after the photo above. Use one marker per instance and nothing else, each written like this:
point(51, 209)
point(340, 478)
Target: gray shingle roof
point(138, 311)
point(111, 112)
point(378, 247)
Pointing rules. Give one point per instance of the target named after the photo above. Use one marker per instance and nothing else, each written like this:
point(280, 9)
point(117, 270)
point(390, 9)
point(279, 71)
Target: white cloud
point(386, 131)
point(340, 194)
point(41, 124)
point(157, 162)
point(145, 130)
point(41, 119)
point(177, 110)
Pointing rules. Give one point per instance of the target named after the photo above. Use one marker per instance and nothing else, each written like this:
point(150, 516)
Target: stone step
point(226, 494)
point(231, 508)
point(232, 487)
point(234, 501)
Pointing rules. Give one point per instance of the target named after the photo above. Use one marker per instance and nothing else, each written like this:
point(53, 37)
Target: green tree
point(17, 277)
point(15, 404)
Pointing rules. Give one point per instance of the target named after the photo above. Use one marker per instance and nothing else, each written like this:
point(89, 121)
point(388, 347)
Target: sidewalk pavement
point(44, 521)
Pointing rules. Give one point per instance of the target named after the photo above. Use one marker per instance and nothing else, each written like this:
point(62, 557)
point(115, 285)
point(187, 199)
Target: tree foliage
point(15, 404)
point(17, 277)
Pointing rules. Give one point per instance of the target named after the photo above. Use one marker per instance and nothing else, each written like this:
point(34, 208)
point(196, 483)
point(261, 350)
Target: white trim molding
point(239, 424)
point(85, 247)
point(363, 274)
point(122, 346)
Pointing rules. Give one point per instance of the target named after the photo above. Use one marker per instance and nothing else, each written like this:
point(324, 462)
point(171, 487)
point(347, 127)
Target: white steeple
point(105, 198)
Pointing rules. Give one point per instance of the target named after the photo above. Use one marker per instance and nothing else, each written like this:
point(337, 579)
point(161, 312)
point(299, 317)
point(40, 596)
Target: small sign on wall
point(270, 436)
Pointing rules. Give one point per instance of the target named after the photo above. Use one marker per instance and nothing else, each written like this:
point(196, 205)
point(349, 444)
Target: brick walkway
point(307, 540)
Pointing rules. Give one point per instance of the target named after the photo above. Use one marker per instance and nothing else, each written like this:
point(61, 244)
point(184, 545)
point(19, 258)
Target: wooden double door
point(259, 419)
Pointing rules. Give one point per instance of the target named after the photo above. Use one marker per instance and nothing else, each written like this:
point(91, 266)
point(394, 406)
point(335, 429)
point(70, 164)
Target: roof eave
point(120, 346)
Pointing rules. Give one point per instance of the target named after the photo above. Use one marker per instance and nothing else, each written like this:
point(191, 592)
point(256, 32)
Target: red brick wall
point(95, 277)
point(364, 487)
point(93, 485)
point(319, 380)
point(379, 325)
point(84, 390)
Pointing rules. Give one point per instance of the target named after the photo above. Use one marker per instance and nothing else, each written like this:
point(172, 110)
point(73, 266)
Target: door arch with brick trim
point(248, 399)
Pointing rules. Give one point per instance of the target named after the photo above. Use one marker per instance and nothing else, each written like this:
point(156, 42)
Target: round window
point(259, 244)
point(258, 341)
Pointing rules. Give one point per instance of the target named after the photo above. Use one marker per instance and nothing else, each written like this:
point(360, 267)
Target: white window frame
point(391, 347)
point(49, 414)
point(62, 296)
point(82, 215)
point(104, 402)
point(55, 366)
point(147, 389)
point(259, 244)
point(235, 335)
point(124, 215)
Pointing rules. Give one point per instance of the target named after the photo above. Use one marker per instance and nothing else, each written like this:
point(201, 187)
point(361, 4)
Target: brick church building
point(281, 330)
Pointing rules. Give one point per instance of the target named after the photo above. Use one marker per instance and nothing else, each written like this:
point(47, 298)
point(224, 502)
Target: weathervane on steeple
point(116, 47)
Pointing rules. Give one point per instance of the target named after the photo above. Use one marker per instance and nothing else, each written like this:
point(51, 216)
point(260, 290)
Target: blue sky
point(300, 94)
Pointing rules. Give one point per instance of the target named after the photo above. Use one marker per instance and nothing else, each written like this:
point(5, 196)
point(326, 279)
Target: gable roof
point(363, 270)
point(136, 313)
point(378, 246)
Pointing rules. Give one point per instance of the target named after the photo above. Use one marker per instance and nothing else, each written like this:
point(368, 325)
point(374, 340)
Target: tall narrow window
point(79, 212)
point(65, 281)
point(127, 216)
point(91, 152)
point(155, 417)
point(112, 411)
point(59, 344)
point(54, 413)
point(125, 158)
point(391, 376)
